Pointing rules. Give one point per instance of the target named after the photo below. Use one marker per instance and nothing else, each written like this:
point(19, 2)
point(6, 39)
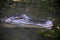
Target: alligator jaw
point(5, 25)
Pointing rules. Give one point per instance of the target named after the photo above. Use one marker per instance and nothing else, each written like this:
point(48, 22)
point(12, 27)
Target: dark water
point(21, 34)
point(26, 33)
point(18, 33)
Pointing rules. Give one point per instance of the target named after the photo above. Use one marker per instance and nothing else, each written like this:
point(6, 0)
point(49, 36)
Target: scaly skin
point(24, 21)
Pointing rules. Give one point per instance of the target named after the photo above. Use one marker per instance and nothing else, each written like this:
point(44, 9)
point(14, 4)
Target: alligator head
point(23, 20)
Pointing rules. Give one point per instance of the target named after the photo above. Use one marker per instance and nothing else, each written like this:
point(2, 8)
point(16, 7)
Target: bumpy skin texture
point(25, 21)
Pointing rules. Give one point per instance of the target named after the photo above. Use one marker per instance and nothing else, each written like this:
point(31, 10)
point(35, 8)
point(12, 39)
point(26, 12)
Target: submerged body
point(25, 21)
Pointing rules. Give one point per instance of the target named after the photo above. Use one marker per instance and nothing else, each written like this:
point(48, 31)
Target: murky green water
point(42, 11)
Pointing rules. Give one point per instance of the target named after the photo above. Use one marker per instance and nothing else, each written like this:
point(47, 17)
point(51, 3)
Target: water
point(27, 32)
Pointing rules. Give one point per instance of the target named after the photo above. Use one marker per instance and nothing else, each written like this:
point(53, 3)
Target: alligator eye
point(21, 18)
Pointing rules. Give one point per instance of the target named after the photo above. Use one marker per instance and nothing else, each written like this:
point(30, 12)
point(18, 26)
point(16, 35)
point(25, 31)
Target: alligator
point(23, 20)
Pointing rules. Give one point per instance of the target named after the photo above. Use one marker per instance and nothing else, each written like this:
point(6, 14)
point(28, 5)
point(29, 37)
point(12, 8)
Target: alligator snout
point(26, 20)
